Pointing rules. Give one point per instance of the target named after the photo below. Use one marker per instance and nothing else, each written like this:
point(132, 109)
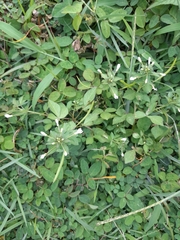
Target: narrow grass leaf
point(76, 217)
point(14, 33)
point(162, 2)
point(170, 28)
point(10, 163)
point(46, 81)
point(5, 207)
point(118, 50)
point(3, 223)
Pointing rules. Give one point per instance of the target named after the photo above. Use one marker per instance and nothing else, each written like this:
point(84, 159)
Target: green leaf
point(89, 96)
point(60, 110)
point(76, 217)
point(105, 28)
point(129, 220)
point(129, 156)
point(139, 114)
point(84, 198)
point(64, 41)
point(57, 10)
point(117, 15)
point(144, 124)
point(156, 120)
point(95, 169)
point(129, 94)
point(106, 115)
point(162, 2)
point(77, 22)
point(171, 28)
point(140, 17)
point(75, 8)
point(154, 218)
point(66, 65)
point(69, 92)
point(130, 118)
point(88, 74)
point(46, 173)
point(14, 33)
point(84, 166)
point(44, 84)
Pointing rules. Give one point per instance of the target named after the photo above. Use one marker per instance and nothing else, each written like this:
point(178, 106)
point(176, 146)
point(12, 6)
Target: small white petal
point(123, 139)
point(43, 134)
point(99, 71)
point(57, 122)
point(132, 78)
point(8, 115)
point(146, 80)
point(155, 89)
point(149, 61)
point(79, 131)
point(162, 74)
point(118, 67)
point(139, 59)
point(115, 96)
point(43, 156)
point(65, 153)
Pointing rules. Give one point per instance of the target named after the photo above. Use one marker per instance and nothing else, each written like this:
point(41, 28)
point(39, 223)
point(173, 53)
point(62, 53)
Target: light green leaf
point(64, 41)
point(140, 17)
point(170, 28)
point(77, 22)
point(162, 2)
point(66, 65)
point(60, 110)
point(117, 15)
point(89, 96)
point(129, 156)
point(88, 74)
point(105, 28)
point(75, 8)
point(139, 114)
point(130, 118)
point(158, 120)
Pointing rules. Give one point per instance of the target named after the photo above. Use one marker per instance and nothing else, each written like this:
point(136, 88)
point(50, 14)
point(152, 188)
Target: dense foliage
point(89, 119)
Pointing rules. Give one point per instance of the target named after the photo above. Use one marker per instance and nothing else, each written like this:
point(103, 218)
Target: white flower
point(139, 59)
point(162, 74)
point(155, 89)
point(43, 156)
point(132, 78)
point(65, 153)
point(43, 134)
point(146, 80)
point(115, 96)
point(123, 139)
point(78, 131)
point(99, 71)
point(8, 115)
point(117, 68)
point(57, 122)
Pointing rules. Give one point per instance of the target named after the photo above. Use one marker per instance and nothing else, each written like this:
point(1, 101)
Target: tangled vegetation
point(89, 119)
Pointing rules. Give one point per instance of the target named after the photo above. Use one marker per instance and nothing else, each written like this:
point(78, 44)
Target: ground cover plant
point(89, 119)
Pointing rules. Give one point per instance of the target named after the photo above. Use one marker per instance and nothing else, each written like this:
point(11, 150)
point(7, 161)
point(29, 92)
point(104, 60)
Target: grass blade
point(44, 84)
